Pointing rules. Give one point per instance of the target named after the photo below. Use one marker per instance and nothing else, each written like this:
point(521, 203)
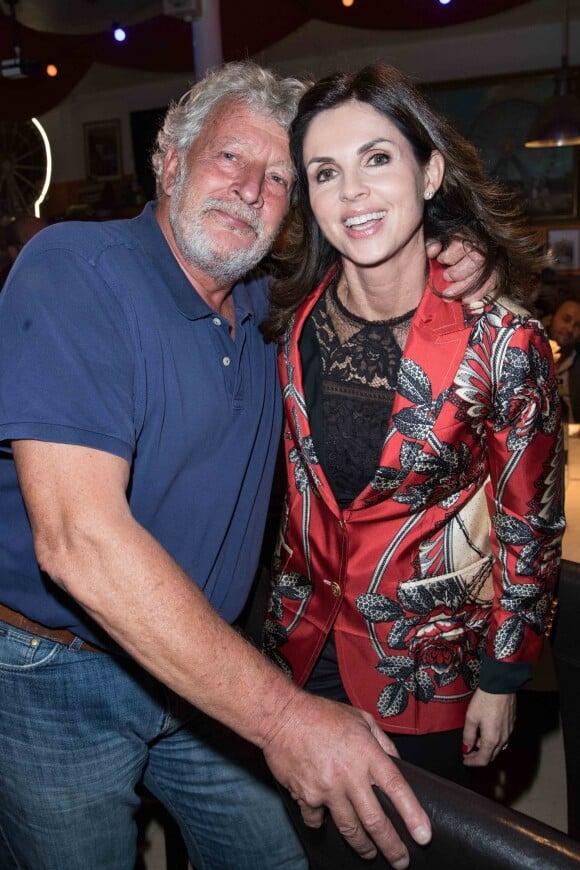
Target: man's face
point(564, 326)
point(231, 192)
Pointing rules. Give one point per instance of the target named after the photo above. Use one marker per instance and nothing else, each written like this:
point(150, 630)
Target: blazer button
point(335, 589)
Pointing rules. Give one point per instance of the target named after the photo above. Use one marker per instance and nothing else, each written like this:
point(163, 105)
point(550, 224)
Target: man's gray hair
point(262, 90)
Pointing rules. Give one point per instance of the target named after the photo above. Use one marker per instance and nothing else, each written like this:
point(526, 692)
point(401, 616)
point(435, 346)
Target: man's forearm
point(131, 586)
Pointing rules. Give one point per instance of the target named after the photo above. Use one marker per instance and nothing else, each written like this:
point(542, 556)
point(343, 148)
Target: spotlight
point(51, 70)
point(119, 33)
point(347, 2)
point(444, 2)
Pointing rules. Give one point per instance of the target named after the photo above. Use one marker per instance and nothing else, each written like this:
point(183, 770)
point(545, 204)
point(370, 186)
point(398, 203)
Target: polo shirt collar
point(189, 303)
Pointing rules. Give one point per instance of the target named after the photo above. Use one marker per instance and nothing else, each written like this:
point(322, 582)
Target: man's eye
point(279, 179)
point(228, 155)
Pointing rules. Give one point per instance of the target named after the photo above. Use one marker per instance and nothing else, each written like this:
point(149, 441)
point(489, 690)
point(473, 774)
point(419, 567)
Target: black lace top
point(350, 369)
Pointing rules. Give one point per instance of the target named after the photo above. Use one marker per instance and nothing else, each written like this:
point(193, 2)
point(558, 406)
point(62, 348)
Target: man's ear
point(171, 165)
point(434, 172)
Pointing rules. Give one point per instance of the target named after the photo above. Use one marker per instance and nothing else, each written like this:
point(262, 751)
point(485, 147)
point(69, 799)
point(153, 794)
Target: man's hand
point(464, 265)
point(329, 756)
point(489, 722)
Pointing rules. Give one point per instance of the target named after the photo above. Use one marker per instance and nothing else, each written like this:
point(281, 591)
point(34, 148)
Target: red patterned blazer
point(454, 545)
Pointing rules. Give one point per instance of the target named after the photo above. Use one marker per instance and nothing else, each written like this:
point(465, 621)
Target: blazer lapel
point(294, 401)
point(436, 345)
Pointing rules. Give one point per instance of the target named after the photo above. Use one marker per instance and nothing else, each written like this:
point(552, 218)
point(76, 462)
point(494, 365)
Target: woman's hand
point(488, 725)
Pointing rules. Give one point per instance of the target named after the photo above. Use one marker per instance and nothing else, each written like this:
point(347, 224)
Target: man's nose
point(249, 185)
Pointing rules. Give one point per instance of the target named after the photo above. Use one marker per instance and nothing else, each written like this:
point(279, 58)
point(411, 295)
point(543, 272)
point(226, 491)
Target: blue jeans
point(79, 730)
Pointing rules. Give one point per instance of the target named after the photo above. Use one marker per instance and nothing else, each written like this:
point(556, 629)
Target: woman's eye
point(379, 159)
point(325, 175)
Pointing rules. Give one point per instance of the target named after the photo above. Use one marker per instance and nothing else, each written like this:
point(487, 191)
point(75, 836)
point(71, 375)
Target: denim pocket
point(20, 650)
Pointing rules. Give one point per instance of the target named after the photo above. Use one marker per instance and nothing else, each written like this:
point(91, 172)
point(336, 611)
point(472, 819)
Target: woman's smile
point(366, 187)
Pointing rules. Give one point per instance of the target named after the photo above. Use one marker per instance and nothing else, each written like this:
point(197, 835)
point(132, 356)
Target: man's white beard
point(197, 245)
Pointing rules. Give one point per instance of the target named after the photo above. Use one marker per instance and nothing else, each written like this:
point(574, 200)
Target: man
point(563, 327)
point(16, 234)
point(143, 412)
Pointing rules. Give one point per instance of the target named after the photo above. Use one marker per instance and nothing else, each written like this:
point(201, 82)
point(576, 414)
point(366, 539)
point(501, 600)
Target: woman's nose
point(353, 187)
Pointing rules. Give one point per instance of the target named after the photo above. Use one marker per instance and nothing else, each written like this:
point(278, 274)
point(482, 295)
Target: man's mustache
point(236, 210)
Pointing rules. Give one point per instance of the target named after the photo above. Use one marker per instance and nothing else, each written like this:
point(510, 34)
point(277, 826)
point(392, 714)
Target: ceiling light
point(119, 33)
point(558, 122)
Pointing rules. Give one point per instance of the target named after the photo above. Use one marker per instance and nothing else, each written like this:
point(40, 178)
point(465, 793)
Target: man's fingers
point(366, 828)
point(433, 249)
point(461, 287)
point(461, 260)
point(313, 816)
point(403, 799)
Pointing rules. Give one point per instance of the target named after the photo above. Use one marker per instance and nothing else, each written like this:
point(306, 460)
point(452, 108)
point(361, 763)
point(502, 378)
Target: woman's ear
point(434, 172)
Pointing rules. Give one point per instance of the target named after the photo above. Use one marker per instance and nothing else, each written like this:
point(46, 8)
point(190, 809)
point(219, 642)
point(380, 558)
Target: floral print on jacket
point(453, 547)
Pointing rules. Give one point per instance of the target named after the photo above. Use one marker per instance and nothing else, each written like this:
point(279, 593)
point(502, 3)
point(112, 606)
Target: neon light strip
point(46, 184)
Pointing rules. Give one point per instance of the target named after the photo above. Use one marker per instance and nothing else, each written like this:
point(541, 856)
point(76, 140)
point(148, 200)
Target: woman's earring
point(428, 194)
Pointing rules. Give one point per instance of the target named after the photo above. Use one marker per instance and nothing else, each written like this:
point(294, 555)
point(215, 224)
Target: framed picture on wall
point(564, 249)
point(103, 155)
point(496, 115)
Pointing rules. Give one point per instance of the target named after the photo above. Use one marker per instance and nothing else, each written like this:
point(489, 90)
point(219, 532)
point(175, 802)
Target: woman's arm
point(525, 500)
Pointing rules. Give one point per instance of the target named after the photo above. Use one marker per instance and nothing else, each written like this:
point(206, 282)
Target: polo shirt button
point(216, 321)
point(226, 360)
point(335, 589)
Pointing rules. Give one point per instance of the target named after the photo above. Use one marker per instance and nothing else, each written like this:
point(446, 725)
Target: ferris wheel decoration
point(25, 167)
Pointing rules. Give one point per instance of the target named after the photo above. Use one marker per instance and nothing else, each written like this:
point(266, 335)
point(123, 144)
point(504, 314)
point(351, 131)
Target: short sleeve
point(66, 363)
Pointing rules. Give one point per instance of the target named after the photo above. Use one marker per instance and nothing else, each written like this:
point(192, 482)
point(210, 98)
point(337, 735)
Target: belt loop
point(76, 644)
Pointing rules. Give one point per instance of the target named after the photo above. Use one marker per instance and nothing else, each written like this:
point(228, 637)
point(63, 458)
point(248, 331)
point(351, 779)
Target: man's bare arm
point(87, 540)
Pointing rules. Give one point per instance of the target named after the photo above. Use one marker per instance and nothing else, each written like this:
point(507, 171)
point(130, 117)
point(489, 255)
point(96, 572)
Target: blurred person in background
point(563, 328)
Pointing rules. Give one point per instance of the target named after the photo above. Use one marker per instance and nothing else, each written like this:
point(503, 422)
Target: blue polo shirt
point(104, 343)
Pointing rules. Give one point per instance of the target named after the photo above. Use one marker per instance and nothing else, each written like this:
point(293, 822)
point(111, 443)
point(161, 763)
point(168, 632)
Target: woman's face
point(366, 188)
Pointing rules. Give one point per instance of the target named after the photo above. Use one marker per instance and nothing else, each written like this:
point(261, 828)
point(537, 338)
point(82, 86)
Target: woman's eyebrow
point(373, 143)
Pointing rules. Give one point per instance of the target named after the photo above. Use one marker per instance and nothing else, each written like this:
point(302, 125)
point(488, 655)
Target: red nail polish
point(465, 748)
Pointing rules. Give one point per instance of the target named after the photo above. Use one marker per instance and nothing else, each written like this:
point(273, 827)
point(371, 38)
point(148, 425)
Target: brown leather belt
point(59, 635)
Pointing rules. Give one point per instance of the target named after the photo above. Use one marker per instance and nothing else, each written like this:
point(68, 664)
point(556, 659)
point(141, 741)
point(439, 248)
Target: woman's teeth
point(364, 218)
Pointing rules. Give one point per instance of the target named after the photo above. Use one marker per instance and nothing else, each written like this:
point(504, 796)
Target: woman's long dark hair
point(467, 204)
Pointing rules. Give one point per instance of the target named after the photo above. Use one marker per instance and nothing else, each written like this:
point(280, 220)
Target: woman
point(421, 532)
